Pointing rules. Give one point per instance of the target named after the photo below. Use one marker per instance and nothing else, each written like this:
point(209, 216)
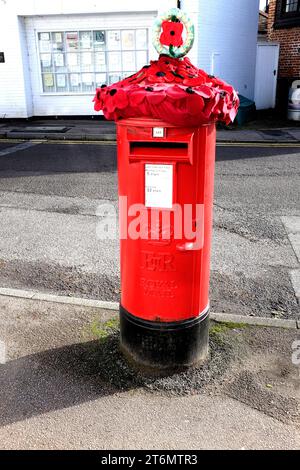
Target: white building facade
point(56, 52)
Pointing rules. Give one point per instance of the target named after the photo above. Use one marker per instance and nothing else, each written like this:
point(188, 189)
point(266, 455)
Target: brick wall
point(289, 39)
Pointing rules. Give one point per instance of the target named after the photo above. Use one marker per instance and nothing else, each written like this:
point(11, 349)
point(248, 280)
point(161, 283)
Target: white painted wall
point(13, 101)
point(225, 44)
point(226, 39)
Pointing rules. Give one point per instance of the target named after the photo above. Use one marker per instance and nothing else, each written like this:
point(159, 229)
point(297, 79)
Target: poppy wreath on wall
point(171, 88)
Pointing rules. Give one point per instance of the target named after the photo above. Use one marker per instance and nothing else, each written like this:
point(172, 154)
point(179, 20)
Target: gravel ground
point(114, 369)
point(269, 295)
point(65, 280)
point(250, 364)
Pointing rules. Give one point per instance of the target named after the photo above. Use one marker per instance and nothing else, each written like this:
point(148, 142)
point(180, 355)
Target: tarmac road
point(50, 192)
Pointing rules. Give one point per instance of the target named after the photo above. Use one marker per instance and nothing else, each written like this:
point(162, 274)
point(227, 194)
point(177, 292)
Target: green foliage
point(222, 327)
point(102, 330)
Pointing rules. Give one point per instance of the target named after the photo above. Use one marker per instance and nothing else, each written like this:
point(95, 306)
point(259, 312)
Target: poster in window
point(57, 46)
point(61, 81)
point(99, 39)
point(141, 39)
point(100, 61)
point(48, 80)
point(57, 37)
point(46, 60)
point(72, 60)
point(74, 79)
point(127, 40)
point(57, 42)
point(114, 61)
point(87, 78)
point(72, 41)
point(59, 60)
point(44, 36)
point(86, 58)
point(45, 46)
point(86, 40)
point(128, 60)
point(113, 40)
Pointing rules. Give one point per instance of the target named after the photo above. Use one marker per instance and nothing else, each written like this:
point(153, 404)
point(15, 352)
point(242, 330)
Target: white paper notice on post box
point(159, 186)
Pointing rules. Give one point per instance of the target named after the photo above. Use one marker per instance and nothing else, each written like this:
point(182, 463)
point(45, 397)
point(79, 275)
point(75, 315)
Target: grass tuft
point(222, 327)
point(102, 330)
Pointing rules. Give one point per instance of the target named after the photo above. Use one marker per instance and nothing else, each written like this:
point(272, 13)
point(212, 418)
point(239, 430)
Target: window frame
point(284, 19)
point(106, 51)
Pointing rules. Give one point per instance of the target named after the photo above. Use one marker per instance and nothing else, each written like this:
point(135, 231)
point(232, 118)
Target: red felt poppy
point(115, 99)
point(160, 77)
point(166, 65)
point(186, 69)
point(176, 92)
point(172, 90)
point(136, 96)
point(99, 99)
point(155, 94)
point(205, 91)
point(171, 33)
point(194, 81)
point(194, 104)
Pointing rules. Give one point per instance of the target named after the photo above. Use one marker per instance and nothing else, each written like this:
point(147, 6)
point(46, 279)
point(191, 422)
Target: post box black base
point(164, 345)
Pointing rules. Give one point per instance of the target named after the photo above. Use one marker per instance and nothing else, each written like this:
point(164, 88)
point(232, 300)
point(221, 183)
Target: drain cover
point(56, 129)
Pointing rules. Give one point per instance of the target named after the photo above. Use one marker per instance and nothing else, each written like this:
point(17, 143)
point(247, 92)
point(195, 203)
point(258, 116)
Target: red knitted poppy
point(171, 33)
point(173, 90)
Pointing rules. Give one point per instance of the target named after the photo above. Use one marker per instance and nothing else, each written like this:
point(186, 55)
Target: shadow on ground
point(252, 365)
point(68, 376)
point(45, 159)
point(243, 153)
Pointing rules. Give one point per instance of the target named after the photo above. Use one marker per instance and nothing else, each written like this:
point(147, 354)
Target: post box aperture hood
point(171, 88)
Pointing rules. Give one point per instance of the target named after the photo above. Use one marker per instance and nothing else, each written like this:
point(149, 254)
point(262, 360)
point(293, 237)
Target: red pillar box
point(166, 178)
point(166, 115)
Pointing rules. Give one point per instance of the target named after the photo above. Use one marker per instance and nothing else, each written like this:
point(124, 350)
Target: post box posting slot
point(162, 150)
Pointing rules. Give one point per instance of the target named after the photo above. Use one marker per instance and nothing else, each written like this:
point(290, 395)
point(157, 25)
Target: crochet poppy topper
point(171, 88)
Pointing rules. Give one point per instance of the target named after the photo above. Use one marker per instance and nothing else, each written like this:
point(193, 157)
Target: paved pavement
point(61, 389)
point(98, 129)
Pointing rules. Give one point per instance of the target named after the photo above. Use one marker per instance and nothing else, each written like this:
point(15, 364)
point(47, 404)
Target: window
point(80, 61)
point(287, 13)
point(291, 6)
